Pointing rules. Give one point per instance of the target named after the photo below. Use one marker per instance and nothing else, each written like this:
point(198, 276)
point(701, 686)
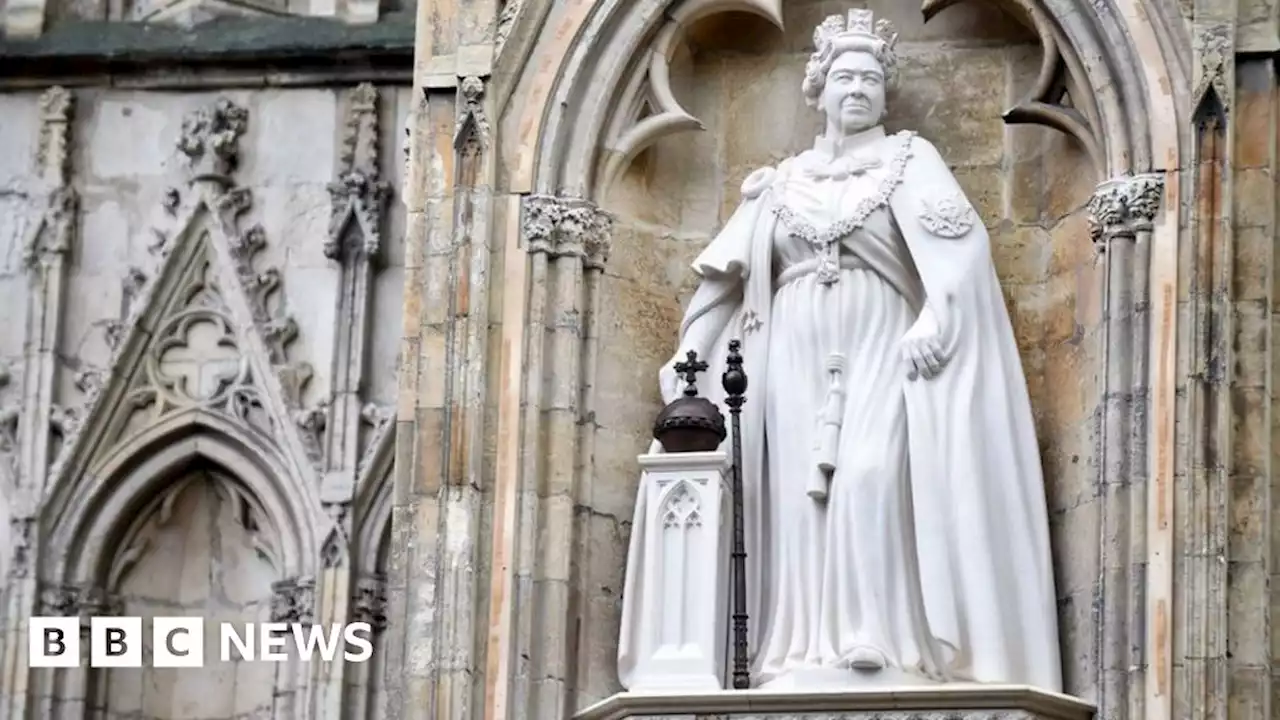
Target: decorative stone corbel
point(1214, 52)
point(359, 196)
point(312, 422)
point(472, 133)
point(379, 420)
point(1122, 207)
point(293, 601)
point(369, 602)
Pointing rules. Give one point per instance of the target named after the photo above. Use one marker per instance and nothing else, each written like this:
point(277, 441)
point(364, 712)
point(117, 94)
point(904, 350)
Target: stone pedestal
point(938, 702)
point(682, 645)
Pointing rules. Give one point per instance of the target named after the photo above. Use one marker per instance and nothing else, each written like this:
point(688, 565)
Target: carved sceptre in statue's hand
point(735, 388)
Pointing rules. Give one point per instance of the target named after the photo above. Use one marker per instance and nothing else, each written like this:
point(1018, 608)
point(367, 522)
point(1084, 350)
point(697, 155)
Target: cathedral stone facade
point(339, 311)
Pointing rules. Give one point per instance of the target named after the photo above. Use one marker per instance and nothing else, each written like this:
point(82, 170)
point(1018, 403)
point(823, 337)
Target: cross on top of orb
point(690, 368)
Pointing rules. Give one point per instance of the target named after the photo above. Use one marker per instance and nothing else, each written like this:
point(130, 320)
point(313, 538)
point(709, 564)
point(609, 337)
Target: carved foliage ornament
point(51, 235)
point(211, 137)
point(1122, 207)
point(472, 134)
point(567, 227)
point(71, 600)
point(381, 430)
point(293, 601)
point(1214, 49)
point(369, 602)
point(946, 215)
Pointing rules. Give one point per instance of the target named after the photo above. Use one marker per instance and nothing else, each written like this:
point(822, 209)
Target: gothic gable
point(205, 332)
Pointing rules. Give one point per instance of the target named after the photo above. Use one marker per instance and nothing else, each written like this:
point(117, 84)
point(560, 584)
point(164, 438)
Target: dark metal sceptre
point(735, 388)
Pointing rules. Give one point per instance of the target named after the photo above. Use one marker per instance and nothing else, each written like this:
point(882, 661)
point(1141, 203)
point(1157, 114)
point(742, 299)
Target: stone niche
point(741, 77)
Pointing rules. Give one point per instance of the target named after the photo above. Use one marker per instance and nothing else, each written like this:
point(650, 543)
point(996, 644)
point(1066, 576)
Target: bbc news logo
point(178, 642)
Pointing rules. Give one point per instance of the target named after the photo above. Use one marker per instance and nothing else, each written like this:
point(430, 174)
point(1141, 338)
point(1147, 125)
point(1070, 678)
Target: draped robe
point(933, 547)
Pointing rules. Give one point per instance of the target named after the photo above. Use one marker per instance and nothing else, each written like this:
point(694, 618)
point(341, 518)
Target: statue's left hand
point(924, 347)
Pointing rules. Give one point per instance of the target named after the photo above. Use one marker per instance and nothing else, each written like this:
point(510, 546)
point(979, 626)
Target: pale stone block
point(680, 642)
point(98, 297)
point(18, 140)
point(151, 125)
point(291, 133)
point(384, 335)
point(105, 231)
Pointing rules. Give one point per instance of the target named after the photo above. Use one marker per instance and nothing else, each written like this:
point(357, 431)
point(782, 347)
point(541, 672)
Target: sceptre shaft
point(735, 387)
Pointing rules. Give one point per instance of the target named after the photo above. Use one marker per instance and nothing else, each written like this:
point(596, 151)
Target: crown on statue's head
point(858, 23)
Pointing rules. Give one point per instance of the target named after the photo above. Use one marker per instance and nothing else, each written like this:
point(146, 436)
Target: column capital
point(566, 227)
point(1124, 206)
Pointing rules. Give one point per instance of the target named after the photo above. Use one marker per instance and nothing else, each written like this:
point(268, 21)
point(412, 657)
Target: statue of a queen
point(895, 512)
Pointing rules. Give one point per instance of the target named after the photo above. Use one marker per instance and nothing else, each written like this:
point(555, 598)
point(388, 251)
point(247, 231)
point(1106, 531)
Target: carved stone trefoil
point(1122, 207)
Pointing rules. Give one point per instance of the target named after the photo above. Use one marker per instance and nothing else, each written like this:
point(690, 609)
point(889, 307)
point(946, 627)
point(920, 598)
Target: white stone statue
point(896, 524)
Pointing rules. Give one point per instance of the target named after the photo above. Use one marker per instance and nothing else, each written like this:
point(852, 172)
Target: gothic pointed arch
point(83, 538)
point(1110, 79)
point(611, 97)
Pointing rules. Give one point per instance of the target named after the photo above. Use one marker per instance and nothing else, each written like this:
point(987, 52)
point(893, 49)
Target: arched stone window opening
point(203, 546)
point(191, 518)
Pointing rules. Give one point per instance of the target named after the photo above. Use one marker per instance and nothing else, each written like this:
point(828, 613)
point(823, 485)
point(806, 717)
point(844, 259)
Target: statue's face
point(853, 96)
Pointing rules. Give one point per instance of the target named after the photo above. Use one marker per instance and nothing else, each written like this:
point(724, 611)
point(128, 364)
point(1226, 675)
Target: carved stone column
point(1133, 615)
point(26, 428)
point(435, 579)
point(333, 428)
point(78, 688)
point(568, 241)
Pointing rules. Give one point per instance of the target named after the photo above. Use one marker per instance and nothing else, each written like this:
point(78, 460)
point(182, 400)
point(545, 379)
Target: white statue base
point(686, 558)
point(958, 701)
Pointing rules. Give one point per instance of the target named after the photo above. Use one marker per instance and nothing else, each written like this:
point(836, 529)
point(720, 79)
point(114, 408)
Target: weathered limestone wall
point(1030, 184)
point(274, 508)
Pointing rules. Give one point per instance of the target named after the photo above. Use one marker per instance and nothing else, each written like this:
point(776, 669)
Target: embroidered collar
point(824, 240)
